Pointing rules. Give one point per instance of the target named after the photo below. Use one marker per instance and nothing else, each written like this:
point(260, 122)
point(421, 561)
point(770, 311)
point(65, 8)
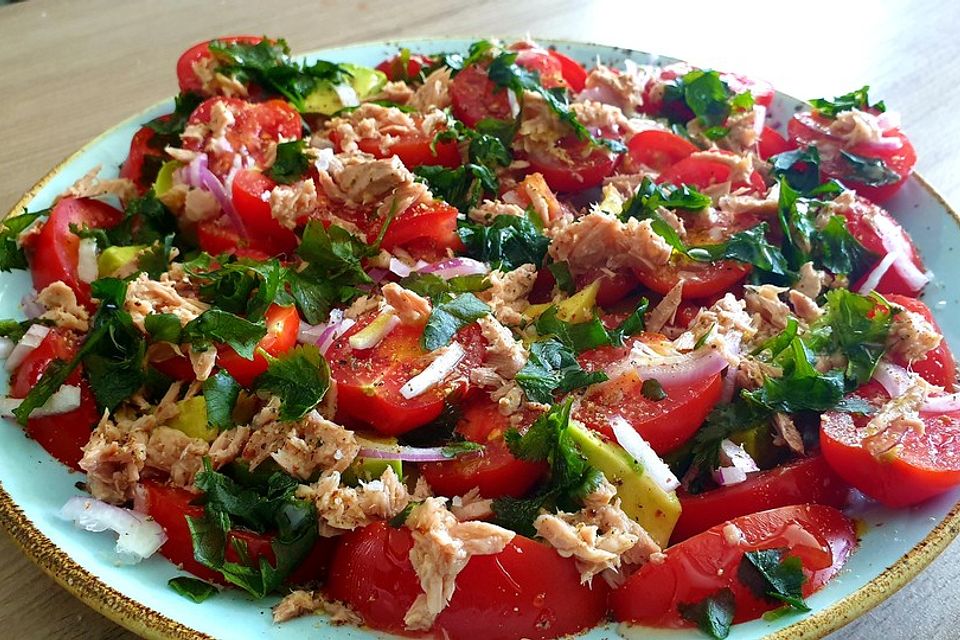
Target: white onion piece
point(371, 335)
point(736, 464)
point(87, 270)
point(760, 117)
point(347, 94)
point(6, 347)
point(407, 454)
point(324, 156)
point(435, 373)
point(399, 267)
point(30, 341)
point(675, 371)
point(876, 275)
point(942, 404)
point(456, 267)
point(894, 240)
point(139, 536)
point(514, 105)
point(63, 400)
point(893, 378)
point(729, 387)
point(634, 444)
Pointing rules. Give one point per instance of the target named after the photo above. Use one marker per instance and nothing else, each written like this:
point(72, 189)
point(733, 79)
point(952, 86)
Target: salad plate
point(894, 544)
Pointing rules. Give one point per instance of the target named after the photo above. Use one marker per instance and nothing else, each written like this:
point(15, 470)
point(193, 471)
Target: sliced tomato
point(613, 287)
point(658, 149)
point(704, 172)
point(525, 591)
point(395, 69)
point(416, 150)
point(170, 506)
point(266, 232)
point(699, 567)
point(807, 480)
point(576, 167)
point(772, 143)
point(143, 160)
point(573, 72)
point(938, 366)
point(665, 424)
point(217, 236)
point(54, 253)
point(700, 279)
point(255, 129)
point(761, 90)
point(475, 97)
point(875, 228)
point(64, 435)
point(424, 230)
point(496, 473)
point(283, 324)
point(197, 54)
point(548, 67)
point(920, 466)
point(808, 128)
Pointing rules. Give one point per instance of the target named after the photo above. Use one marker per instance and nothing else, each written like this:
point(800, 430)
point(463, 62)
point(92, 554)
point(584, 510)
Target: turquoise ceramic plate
point(34, 486)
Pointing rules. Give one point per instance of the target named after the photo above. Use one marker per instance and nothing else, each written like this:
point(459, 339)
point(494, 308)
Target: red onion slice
point(894, 240)
point(893, 378)
point(736, 464)
point(139, 535)
point(197, 175)
point(455, 267)
point(946, 403)
point(675, 371)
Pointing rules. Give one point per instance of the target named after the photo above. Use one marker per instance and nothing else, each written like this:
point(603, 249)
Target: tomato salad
point(487, 336)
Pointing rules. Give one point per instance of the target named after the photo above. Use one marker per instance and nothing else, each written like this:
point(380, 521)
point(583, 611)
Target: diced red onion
point(377, 275)
point(139, 536)
point(946, 403)
point(675, 371)
point(197, 175)
point(634, 444)
point(735, 464)
point(435, 373)
point(408, 454)
point(455, 267)
point(31, 307)
point(63, 400)
point(30, 341)
point(371, 335)
point(87, 270)
point(876, 274)
point(894, 240)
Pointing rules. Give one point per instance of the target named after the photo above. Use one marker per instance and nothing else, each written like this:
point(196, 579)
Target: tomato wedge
point(919, 467)
point(395, 69)
point(55, 252)
point(658, 149)
point(664, 424)
point(426, 231)
point(704, 172)
point(283, 324)
point(772, 143)
point(496, 472)
point(475, 97)
point(573, 72)
point(264, 230)
point(699, 567)
point(525, 591)
point(807, 480)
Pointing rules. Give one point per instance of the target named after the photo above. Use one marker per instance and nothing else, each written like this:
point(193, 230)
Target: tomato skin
point(424, 230)
point(665, 424)
point(394, 70)
point(540, 60)
point(416, 151)
point(516, 592)
point(863, 219)
point(140, 149)
point(704, 172)
point(820, 536)
point(772, 143)
point(807, 128)
point(700, 279)
point(186, 77)
point(808, 480)
point(573, 72)
point(54, 253)
point(261, 226)
point(583, 173)
point(613, 288)
point(64, 435)
point(496, 473)
point(170, 506)
point(925, 465)
point(475, 97)
point(938, 366)
point(658, 149)
point(283, 324)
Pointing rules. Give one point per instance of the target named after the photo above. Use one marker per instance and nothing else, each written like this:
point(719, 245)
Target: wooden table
point(69, 70)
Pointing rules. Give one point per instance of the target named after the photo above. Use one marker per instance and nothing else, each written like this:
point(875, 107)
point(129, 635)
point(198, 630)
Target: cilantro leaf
point(799, 167)
point(192, 589)
point(579, 336)
point(14, 330)
point(172, 125)
point(749, 247)
point(856, 326)
point(856, 99)
point(222, 326)
point(552, 367)
point(11, 254)
point(291, 163)
point(462, 187)
point(507, 243)
point(447, 318)
point(437, 289)
point(872, 172)
point(801, 387)
point(221, 392)
point(300, 377)
point(708, 97)
point(561, 273)
point(772, 573)
point(722, 422)
point(650, 196)
point(713, 615)
point(163, 327)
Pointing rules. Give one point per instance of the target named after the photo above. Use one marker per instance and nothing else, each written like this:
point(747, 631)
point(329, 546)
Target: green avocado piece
point(112, 259)
point(365, 81)
point(656, 510)
point(165, 177)
point(758, 442)
point(192, 419)
point(367, 469)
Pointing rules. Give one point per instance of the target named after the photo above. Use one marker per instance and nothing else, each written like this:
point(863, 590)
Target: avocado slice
point(367, 469)
point(365, 81)
point(656, 510)
point(192, 419)
point(112, 259)
point(164, 180)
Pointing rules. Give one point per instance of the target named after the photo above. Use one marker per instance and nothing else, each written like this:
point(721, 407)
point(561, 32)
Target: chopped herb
point(192, 588)
point(462, 187)
point(653, 390)
point(299, 377)
point(400, 519)
point(171, 126)
point(857, 99)
point(291, 163)
point(11, 254)
point(447, 318)
point(14, 330)
point(561, 273)
point(155, 259)
point(650, 196)
point(507, 243)
point(221, 392)
point(872, 172)
point(856, 326)
point(216, 325)
point(552, 367)
point(579, 336)
point(801, 387)
point(749, 247)
point(722, 422)
point(713, 615)
point(772, 573)
point(799, 167)
point(440, 290)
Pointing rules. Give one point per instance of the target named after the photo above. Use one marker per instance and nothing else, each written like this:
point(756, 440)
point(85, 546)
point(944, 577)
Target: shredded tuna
point(804, 307)
point(434, 93)
point(503, 353)
point(358, 179)
point(507, 295)
point(291, 203)
point(724, 326)
point(488, 210)
point(301, 603)
point(751, 372)
point(896, 418)
point(856, 127)
point(764, 300)
point(62, 307)
point(787, 433)
point(227, 446)
point(600, 537)
point(621, 88)
point(471, 506)
point(92, 186)
point(600, 240)
point(369, 121)
point(397, 92)
point(912, 336)
point(176, 453)
point(146, 297)
point(442, 546)
point(741, 167)
point(302, 447)
point(342, 508)
point(666, 310)
point(410, 307)
point(811, 280)
point(746, 203)
point(202, 362)
point(213, 82)
point(362, 305)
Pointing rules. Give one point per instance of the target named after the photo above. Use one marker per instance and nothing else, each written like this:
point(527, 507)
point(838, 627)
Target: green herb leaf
point(649, 196)
point(291, 163)
point(799, 167)
point(507, 243)
point(579, 336)
point(553, 367)
point(561, 273)
point(447, 318)
point(462, 187)
point(299, 377)
point(708, 97)
point(801, 387)
point(780, 576)
point(173, 125)
point(11, 254)
point(437, 289)
point(722, 422)
point(192, 589)
point(713, 615)
point(15, 329)
point(855, 326)
point(216, 325)
point(856, 99)
point(163, 327)
point(872, 172)
point(221, 392)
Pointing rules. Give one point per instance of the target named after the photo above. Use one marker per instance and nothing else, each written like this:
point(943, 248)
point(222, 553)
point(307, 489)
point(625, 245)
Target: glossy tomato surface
point(283, 324)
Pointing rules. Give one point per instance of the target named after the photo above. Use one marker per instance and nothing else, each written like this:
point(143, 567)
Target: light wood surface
point(69, 70)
